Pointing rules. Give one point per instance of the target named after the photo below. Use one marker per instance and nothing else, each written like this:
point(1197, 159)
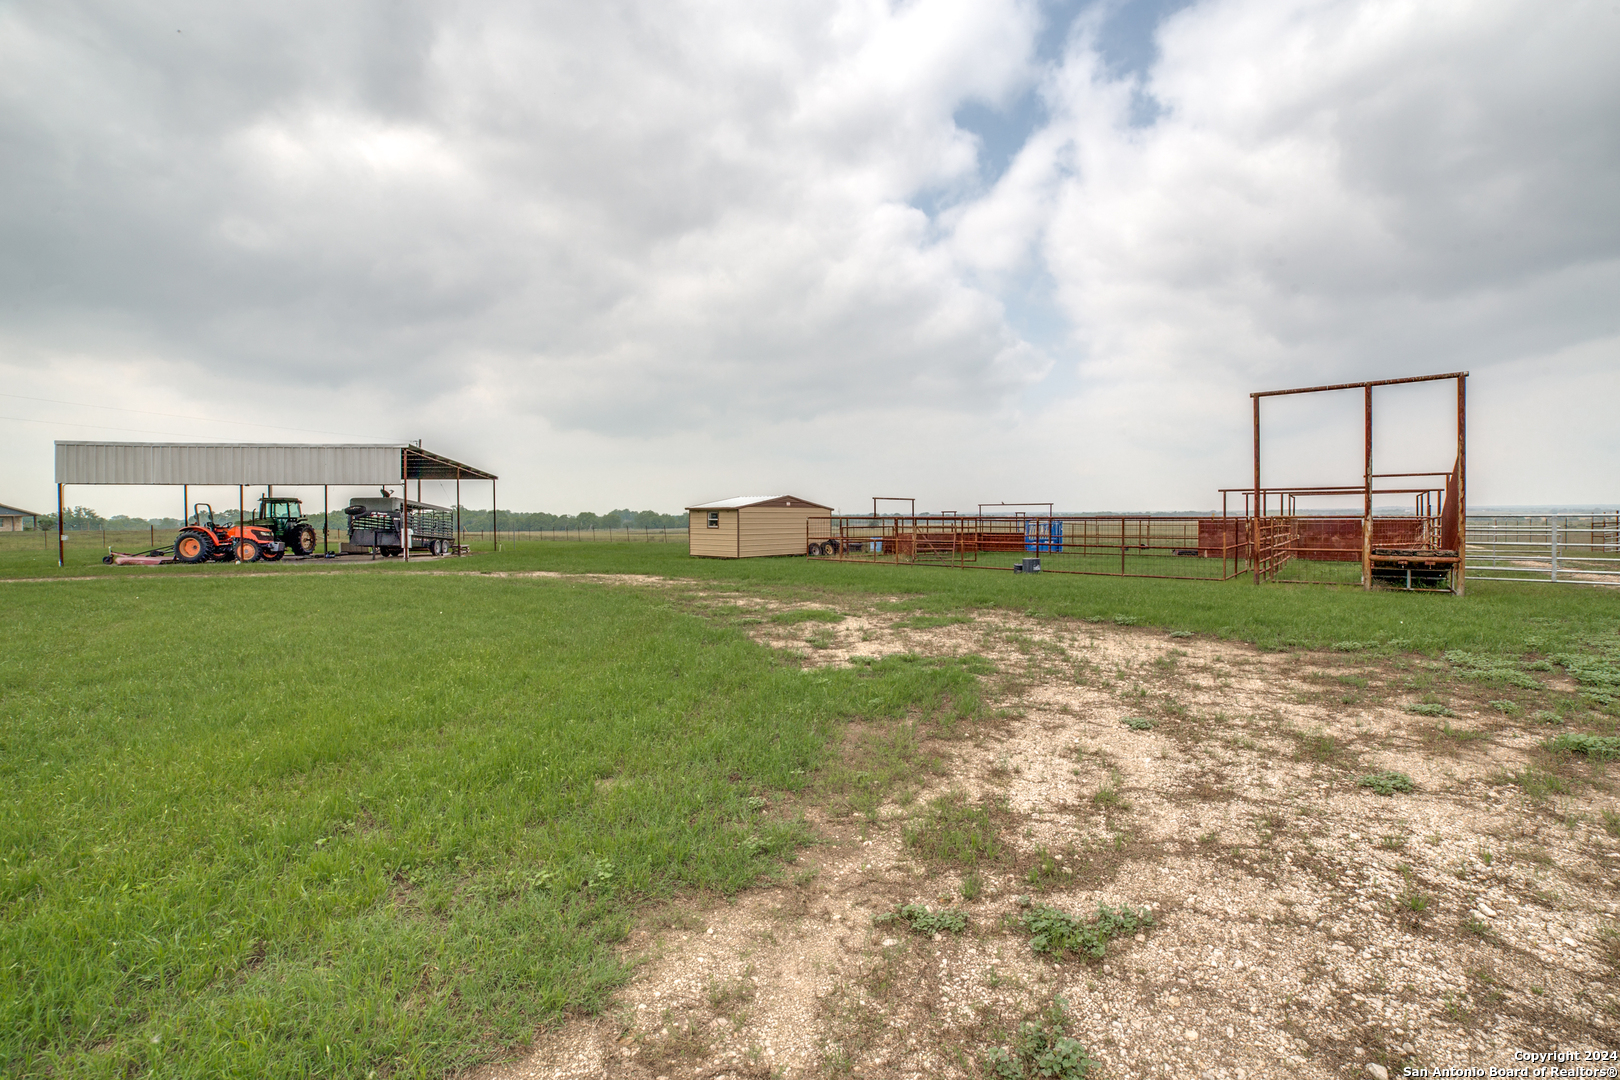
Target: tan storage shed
point(751, 526)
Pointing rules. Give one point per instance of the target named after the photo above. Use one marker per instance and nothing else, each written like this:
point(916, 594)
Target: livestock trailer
point(374, 527)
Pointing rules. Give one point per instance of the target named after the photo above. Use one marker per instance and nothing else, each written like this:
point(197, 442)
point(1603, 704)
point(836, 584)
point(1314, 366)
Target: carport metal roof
point(253, 463)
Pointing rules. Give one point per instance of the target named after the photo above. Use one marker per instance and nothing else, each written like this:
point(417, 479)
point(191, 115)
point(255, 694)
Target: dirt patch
point(1302, 923)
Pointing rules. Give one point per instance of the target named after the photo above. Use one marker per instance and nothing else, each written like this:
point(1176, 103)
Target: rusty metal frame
point(960, 540)
point(1266, 561)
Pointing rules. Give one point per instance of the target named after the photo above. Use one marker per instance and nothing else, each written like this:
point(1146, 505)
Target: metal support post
point(1254, 528)
point(404, 516)
point(1552, 534)
point(61, 538)
point(1458, 573)
point(1366, 498)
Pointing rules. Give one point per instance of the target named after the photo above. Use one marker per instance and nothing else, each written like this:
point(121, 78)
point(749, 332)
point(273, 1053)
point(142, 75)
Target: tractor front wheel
point(193, 547)
point(248, 550)
point(302, 540)
point(273, 556)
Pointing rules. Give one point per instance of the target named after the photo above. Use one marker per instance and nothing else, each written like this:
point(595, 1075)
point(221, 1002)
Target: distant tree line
point(519, 521)
point(82, 518)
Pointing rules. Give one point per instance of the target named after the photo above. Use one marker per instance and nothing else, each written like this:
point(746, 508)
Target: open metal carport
point(245, 465)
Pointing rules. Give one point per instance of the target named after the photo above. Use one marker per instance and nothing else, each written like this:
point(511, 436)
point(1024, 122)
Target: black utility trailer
point(374, 527)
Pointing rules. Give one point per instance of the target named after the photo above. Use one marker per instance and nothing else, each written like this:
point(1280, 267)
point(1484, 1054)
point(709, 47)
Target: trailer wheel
point(247, 550)
point(815, 549)
point(826, 547)
point(193, 547)
point(302, 540)
point(835, 546)
point(441, 548)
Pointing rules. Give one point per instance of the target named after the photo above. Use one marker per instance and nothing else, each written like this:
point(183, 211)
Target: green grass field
point(302, 825)
point(272, 821)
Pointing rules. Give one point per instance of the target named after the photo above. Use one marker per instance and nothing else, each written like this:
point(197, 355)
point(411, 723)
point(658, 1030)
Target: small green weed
point(930, 622)
point(1414, 901)
point(1139, 723)
point(1598, 675)
point(1596, 747)
point(804, 615)
point(972, 887)
point(1181, 633)
point(1042, 1052)
point(1047, 872)
point(1320, 746)
point(1108, 796)
point(1492, 669)
point(1507, 708)
point(1538, 784)
point(1387, 782)
point(1609, 935)
point(1611, 823)
point(1429, 708)
point(728, 995)
point(954, 831)
point(924, 920)
point(1058, 934)
point(1546, 716)
point(1459, 734)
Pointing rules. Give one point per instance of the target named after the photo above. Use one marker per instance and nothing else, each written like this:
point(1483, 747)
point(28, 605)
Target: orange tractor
point(202, 539)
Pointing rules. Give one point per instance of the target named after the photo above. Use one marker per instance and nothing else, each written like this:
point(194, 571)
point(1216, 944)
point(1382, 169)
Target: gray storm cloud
point(690, 248)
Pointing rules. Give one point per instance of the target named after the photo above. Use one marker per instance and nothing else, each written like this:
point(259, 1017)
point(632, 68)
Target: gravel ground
point(1303, 925)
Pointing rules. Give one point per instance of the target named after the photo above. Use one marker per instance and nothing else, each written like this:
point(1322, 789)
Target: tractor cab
point(280, 514)
point(284, 518)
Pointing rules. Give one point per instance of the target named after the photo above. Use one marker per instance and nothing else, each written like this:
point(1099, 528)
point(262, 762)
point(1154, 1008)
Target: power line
point(174, 416)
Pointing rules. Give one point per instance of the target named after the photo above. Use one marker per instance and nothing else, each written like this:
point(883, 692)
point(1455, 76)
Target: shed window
point(714, 519)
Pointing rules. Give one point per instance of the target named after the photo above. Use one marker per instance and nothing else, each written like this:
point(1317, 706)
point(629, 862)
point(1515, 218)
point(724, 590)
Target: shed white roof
point(756, 500)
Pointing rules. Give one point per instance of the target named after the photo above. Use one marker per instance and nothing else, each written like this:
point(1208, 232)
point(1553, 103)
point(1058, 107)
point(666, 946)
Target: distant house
point(11, 518)
point(751, 525)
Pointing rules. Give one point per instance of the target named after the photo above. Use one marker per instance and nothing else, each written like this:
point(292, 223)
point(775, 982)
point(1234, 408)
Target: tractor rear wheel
point(193, 547)
point(247, 550)
point(302, 540)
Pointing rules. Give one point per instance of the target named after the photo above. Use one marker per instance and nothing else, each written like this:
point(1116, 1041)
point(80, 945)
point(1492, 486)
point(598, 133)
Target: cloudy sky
point(650, 253)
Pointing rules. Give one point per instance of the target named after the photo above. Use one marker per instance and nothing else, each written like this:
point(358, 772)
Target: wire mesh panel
point(1578, 549)
point(1120, 545)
